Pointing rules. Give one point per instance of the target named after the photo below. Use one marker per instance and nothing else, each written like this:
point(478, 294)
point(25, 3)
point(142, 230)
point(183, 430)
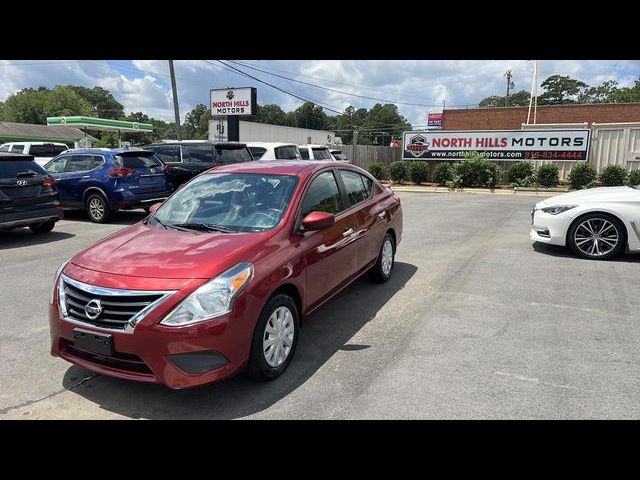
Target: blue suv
point(102, 181)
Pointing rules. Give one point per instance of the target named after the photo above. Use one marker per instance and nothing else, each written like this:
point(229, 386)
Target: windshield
point(233, 155)
point(247, 202)
point(637, 187)
point(321, 154)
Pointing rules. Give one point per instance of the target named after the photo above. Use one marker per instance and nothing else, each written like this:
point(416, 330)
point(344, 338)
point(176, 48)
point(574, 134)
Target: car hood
point(145, 251)
point(594, 195)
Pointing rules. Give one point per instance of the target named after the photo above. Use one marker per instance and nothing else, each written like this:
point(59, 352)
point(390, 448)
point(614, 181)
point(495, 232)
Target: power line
point(276, 87)
point(333, 89)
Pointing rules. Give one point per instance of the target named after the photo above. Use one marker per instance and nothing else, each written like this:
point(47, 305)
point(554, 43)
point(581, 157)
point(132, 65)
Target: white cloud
point(143, 85)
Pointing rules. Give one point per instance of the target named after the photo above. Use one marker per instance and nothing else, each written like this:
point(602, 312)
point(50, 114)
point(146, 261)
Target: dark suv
point(28, 195)
point(187, 159)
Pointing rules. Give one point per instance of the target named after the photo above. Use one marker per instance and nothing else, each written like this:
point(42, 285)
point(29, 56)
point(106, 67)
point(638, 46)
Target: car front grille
point(117, 307)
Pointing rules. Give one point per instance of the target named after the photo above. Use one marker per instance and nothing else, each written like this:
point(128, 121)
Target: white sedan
point(597, 223)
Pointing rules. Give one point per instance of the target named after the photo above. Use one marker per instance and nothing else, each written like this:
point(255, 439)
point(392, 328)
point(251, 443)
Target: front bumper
point(178, 357)
point(547, 228)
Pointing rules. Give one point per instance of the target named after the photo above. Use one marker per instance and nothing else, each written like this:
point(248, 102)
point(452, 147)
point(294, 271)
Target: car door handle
point(85, 176)
point(348, 232)
point(382, 214)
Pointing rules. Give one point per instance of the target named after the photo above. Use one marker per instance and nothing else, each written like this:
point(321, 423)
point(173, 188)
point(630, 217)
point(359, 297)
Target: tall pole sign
point(233, 103)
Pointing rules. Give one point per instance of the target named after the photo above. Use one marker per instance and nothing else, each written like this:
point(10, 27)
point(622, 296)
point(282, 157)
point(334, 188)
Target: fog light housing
point(543, 233)
point(198, 362)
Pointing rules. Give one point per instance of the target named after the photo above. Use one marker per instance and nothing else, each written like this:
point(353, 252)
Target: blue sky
point(420, 86)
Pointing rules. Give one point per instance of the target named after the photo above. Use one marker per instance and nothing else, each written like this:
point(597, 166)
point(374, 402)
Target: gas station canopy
point(101, 124)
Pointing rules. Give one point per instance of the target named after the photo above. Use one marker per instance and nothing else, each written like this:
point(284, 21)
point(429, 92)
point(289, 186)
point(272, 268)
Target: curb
point(528, 193)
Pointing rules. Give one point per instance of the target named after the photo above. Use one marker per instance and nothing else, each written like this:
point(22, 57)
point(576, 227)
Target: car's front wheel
point(597, 236)
point(98, 208)
point(274, 339)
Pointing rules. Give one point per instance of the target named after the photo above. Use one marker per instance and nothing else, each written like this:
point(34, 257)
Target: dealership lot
point(475, 323)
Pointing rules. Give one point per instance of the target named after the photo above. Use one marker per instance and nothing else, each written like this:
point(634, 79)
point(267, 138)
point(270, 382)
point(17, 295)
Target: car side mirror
point(153, 208)
point(318, 221)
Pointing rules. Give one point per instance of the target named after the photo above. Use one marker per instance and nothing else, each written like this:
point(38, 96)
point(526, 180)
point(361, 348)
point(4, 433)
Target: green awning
point(100, 124)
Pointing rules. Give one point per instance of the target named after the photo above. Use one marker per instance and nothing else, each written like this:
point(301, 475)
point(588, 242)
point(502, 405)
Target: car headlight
point(212, 299)
point(57, 276)
point(558, 209)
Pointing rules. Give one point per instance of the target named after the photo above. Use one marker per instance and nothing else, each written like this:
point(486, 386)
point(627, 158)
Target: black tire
point(377, 272)
point(95, 199)
point(258, 368)
point(596, 219)
point(41, 228)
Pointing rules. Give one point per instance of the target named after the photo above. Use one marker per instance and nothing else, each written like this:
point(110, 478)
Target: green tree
point(603, 93)
point(518, 99)
point(381, 123)
point(561, 89)
point(26, 106)
point(64, 101)
point(103, 104)
point(196, 123)
point(271, 114)
point(627, 94)
point(309, 115)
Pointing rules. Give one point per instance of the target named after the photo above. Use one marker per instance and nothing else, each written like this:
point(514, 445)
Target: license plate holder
point(150, 180)
point(92, 342)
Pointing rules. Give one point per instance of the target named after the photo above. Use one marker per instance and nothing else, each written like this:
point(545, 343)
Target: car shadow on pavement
point(121, 217)
point(558, 251)
point(23, 237)
point(323, 334)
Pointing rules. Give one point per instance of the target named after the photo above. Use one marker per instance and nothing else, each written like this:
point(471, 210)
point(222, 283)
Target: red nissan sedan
point(218, 278)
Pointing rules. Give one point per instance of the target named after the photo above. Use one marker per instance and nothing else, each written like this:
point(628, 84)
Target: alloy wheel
point(96, 208)
point(387, 257)
point(596, 237)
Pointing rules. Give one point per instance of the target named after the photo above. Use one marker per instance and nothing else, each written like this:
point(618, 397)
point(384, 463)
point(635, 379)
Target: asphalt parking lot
point(476, 323)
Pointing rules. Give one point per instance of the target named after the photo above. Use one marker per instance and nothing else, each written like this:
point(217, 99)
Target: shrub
point(418, 172)
point(477, 171)
point(548, 175)
point(378, 170)
point(634, 177)
point(398, 171)
point(613, 176)
point(443, 173)
point(582, 175)
point(521, 172)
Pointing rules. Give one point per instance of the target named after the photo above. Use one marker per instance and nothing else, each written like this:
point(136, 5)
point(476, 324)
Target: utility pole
point(510, 85)
point(176, 110)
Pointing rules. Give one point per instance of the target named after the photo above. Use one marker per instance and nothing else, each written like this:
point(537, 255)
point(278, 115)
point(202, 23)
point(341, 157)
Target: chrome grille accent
point(121, 309)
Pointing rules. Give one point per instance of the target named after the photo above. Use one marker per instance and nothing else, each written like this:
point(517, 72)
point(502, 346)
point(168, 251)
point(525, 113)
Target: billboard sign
point(503, 145)
point(434, 120)
point(232, 101)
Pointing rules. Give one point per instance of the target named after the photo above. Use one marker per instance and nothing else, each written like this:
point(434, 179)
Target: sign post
point(233, 103)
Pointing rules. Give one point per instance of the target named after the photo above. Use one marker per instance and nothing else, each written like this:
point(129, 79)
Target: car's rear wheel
point(383, 269)
point(274, 339)
point(98, 208)
point(44, 227)
point(597, 236)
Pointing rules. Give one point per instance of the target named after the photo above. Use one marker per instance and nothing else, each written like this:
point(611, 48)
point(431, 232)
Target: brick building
point(512, 118)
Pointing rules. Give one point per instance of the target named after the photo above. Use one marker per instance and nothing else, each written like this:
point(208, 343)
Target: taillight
point(49, 182)
point(121, 172)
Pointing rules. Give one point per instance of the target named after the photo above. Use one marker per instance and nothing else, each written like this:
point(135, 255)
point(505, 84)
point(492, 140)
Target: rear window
point(197, 153)
point(46, 150)
point(142, 161)
point(11, 168)
point(321, 154)
point(233, 155)
point(166, 153)
point(288, 152)
point(304, 153)
point(258, 152)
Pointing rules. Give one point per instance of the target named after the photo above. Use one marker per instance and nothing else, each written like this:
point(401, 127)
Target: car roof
point(102, 151)
point(313, 145)
point(15, 156)
point(194, 142)
point(270, 144)
point(36, 143)
point(277, 167)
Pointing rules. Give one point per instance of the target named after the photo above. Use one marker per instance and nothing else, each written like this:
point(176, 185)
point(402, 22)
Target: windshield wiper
point(203, 226)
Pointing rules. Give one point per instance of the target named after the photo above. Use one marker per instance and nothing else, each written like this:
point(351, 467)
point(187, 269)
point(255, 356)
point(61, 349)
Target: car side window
point(167, 153)
point(17, 148)
point(80, 163)
point(197, 154)
point(323, 195)
point(358, 186)
point(57, 166)
point(258, 152)
point(5, 148)
point(304, 153)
